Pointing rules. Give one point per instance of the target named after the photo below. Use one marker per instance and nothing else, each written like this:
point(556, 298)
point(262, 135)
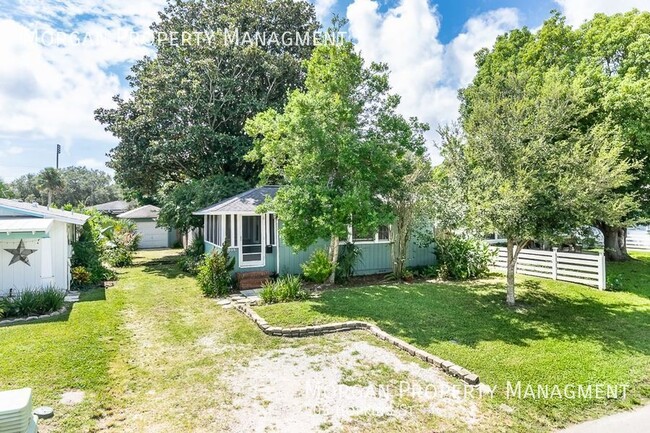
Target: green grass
point(133, 350)
point(70, 352)
point(560, 333)
point(152, 354)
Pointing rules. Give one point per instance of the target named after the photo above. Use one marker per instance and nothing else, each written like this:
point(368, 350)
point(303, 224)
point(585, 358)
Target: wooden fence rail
point(581, 268)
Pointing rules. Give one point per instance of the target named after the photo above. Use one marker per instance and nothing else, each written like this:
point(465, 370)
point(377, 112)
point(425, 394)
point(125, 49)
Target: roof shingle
point(245, 202)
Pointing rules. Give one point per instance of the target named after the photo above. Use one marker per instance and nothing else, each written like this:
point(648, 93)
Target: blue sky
point(50, 83)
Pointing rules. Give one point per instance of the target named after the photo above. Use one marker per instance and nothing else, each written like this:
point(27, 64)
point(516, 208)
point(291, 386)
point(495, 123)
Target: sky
point(60, 60)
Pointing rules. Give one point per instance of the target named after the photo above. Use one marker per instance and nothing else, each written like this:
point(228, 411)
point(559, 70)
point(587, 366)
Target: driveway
point(636, 421)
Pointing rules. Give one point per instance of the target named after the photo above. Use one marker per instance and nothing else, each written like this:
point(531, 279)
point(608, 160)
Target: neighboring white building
point(146, 220)
point(35, 246)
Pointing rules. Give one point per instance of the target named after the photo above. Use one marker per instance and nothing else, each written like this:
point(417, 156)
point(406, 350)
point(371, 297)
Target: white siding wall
point(60, 255)
point(20, 276)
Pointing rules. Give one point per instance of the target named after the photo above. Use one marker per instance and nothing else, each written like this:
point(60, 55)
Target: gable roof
point(245, 202)
point(113, 207)
point(19, 208)
point(144, 212)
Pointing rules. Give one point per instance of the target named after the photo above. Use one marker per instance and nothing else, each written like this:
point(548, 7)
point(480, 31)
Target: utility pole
point(58, 152)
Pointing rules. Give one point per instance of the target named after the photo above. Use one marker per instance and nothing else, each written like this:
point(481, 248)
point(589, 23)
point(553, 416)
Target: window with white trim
point(228, 231)
point(270, 227)
point(213, 229)
point(382, 235)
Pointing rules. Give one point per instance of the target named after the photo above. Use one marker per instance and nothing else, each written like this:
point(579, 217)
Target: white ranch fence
point(581, 268)
point(638, 240)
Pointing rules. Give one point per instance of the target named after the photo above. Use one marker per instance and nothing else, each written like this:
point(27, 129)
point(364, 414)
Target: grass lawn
point(133, 349)
point(560, 333)
point(153, 355)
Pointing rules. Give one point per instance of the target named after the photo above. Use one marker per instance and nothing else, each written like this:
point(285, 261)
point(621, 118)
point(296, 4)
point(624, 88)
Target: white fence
point(638, 240)
point(581, 268)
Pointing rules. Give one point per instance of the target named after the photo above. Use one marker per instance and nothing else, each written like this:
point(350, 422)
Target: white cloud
point(10, 151)
point(479, 32)
point(324, 9)
point(425, 72)
point(92, 163)
point(577, 11)
point(53, 83)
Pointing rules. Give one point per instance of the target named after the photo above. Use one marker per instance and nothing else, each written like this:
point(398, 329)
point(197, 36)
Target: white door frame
point(240, 236)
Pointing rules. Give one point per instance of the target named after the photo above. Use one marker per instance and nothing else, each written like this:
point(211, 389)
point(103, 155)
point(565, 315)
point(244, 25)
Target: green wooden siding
point(376, 258)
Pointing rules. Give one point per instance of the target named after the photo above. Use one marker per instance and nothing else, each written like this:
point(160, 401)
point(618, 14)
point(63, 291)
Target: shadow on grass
point(472, 313)
point(93, 295)
point(165, 266)
point(634, 274)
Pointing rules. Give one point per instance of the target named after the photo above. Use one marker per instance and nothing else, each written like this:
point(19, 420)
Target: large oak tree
point(183, 120)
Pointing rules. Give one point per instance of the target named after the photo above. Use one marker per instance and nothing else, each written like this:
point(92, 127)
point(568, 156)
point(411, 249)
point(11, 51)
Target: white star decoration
point(20, 254)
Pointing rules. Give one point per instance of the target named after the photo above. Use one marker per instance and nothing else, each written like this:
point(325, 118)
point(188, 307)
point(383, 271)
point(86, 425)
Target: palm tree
point(50, 180)
point(5, 190)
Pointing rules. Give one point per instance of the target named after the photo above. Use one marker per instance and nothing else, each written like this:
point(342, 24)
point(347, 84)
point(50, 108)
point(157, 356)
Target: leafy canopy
point(189, 103)
point(606, 61)
point(338, 148)
point(180, 201)
point(79, 186)
point(526, 167)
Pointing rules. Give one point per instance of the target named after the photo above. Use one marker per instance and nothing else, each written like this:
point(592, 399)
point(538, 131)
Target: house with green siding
point(257, 246)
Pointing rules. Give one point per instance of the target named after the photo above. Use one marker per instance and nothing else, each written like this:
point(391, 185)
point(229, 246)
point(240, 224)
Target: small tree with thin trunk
point(339, 149)
point(526, 169)
point(408, 203)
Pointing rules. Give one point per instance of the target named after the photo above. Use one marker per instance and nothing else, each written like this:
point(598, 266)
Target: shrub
point(87, 252)
point(269, 292)
point(284, 289)
point(214, 273)
point(4, 307)
point(192, 256)
point(318, 268)
point(81, 277)
point(462, 258)
point(104, 239)
point(31, 302)
point(122, 241)
point(349, 257)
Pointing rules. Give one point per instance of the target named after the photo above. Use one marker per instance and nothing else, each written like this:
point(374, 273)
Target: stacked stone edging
point(308, 331)
point(18, 320)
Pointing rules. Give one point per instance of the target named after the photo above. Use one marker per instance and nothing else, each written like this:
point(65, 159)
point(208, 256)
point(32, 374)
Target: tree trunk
point(510, 274)
point(514, 248)
point(614, 239)
point(49, 197)
point(400, 241)
point(334, 257)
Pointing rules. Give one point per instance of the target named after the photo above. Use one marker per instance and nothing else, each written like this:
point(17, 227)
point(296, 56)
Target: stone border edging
point(309, 331)
point(18, 320)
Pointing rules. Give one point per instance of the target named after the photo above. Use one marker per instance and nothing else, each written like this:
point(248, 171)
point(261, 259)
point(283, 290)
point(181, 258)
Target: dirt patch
point(72, 398)
point(297, 390)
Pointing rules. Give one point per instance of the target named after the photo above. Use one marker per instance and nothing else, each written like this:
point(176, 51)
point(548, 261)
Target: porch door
point(252, 241)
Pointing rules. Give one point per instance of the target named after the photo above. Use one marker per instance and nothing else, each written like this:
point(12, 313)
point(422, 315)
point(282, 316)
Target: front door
point(252, 241)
